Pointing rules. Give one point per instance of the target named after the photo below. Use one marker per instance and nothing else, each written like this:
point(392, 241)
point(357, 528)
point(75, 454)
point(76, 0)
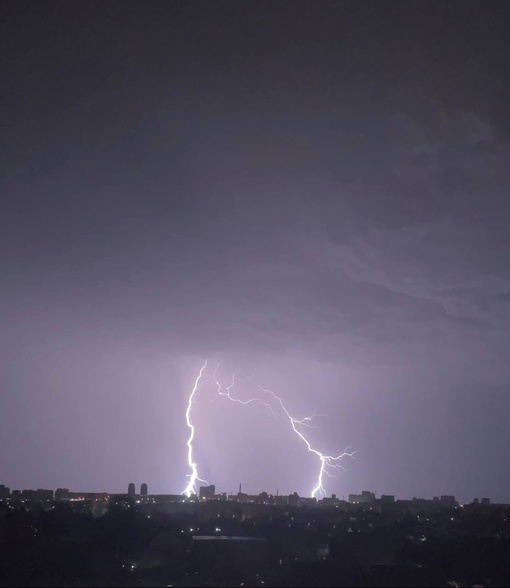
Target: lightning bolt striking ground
point(193, 477)
point(327, 462)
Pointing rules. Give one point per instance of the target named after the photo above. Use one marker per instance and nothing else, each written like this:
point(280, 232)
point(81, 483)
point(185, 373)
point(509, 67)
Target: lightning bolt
point(227, 394)
point(193, 477)
point(327, 462)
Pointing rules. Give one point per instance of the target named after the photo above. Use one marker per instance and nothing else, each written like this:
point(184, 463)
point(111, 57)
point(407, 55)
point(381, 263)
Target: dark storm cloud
point(317, 196)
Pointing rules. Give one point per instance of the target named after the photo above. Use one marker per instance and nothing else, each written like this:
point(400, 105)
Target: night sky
point(315, 193)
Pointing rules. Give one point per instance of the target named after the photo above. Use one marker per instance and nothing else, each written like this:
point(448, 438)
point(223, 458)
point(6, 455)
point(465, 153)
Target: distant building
point(486, 501)
point(241, 496)
point(62, 494)
point(207, 492)
point(4, 492)
point(307, 501)
point(168, 498)
point(39, 495)
point(365, 497)
point(447, 500)
point(87, 496)
point(143, 490)
point(326, 501)
point(387, 498)
point(131, 491)
point(293, 499)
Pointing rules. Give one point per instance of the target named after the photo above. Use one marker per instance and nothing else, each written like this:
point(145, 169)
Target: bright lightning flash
point(230, 397)
point(193, 477)
point(327, 462)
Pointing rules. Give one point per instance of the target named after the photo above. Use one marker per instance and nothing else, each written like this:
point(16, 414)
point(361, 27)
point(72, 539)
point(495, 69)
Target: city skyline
point(208, 492)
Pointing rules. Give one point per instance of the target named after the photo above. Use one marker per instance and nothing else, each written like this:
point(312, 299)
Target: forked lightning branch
point(328, 464)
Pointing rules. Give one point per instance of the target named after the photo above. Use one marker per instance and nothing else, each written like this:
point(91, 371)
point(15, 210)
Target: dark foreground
point(232, 545)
